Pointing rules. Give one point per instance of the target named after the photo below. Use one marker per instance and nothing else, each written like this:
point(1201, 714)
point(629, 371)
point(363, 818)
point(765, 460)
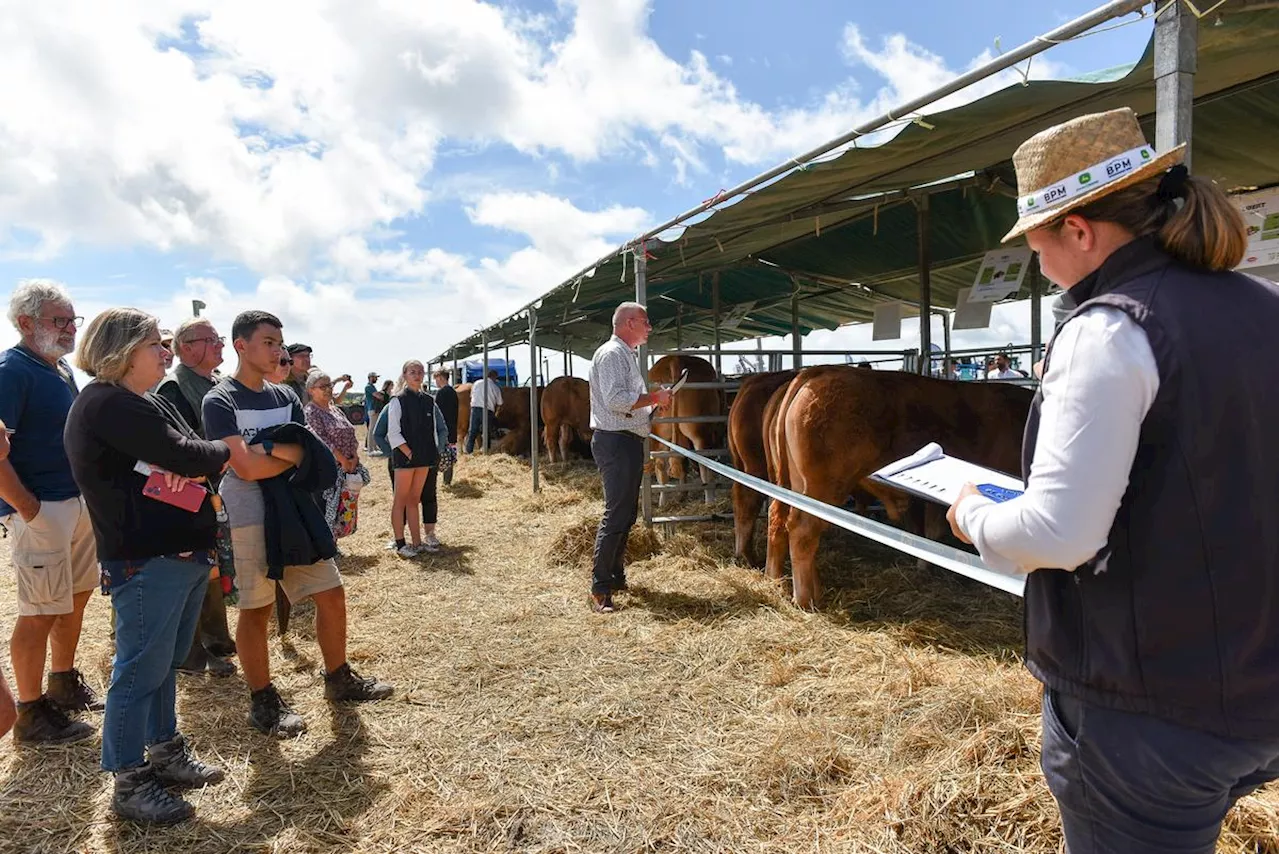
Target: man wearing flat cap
point(297, 380)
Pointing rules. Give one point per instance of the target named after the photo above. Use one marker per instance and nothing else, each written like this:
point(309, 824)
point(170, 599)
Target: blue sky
point(390, 176)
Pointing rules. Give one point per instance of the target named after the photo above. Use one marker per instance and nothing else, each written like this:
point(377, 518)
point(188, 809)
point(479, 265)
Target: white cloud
point(279, 130)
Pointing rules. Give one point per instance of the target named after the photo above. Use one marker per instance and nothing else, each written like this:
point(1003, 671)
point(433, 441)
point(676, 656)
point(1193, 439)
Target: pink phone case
point(189, 498)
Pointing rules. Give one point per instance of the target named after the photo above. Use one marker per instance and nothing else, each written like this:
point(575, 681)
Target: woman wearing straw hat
point(1148, 524)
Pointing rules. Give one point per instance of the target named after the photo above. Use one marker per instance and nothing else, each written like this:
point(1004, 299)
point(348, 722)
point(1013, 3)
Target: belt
point(627, 433)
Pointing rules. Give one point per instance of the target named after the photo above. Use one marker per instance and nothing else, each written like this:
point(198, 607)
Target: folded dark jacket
point(296, 531)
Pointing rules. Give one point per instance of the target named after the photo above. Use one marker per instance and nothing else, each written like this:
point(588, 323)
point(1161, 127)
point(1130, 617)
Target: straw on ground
point(707, 715)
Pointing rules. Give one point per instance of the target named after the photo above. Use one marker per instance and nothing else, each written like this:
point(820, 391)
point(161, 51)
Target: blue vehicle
point(473, 369)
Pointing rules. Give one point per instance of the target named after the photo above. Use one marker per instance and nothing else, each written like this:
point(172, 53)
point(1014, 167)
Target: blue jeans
point(1134, 784)
point(474, 427)
point(157, 611)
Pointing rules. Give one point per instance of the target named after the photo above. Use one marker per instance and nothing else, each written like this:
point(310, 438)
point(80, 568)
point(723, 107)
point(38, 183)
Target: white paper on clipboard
point(931, 474)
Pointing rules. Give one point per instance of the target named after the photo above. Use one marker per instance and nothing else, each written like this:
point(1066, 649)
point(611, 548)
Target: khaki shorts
point(256, 590)
point(54, 557)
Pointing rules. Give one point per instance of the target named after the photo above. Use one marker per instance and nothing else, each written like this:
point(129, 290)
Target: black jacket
point(297, 532)
point(447, 400)
point(109, 429)
point(1177, 617)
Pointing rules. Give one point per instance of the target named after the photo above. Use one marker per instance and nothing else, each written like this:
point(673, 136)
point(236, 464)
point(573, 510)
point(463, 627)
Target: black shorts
point(400, 461)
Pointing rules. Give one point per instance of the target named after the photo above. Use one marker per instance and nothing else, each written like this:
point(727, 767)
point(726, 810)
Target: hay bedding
point(707, 715)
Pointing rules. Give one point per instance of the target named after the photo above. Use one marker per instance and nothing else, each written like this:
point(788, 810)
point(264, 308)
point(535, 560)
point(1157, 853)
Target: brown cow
point(566, 414)
point(514, 420)
point(687, 402)
point(834, 427)
point(747, 450)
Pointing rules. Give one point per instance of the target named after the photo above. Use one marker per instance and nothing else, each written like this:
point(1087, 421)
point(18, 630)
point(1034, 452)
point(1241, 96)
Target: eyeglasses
point(285, 360)
point(323, 385)
point(211, 340)
point(61, 322)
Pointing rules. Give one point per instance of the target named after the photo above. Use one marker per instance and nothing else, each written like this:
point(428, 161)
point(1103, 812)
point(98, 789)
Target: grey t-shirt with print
point(233, 409)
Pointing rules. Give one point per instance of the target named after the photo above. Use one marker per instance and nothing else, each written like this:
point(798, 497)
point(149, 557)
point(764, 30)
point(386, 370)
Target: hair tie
point(1173, 185)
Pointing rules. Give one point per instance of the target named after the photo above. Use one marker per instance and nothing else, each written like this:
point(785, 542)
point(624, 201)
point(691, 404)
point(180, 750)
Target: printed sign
point(886, 322)
point(970, 315)
point(1261, 210)
point(1000, 275)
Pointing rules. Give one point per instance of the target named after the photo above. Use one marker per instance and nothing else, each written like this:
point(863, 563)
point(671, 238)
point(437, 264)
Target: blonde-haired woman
point(1148, 526)
point(413, 430)
point(155, 555)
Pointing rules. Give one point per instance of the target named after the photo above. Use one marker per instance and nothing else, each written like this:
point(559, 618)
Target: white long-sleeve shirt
point(616, 384)
point(486, 394)
point(1101, 382)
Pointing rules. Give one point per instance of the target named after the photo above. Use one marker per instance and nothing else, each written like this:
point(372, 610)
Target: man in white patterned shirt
point(621, 406)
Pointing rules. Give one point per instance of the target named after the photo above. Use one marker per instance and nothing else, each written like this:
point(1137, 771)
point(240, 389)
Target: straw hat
point(1080, 161)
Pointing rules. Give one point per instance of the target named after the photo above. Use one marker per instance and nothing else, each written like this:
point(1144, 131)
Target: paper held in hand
point(931, 474)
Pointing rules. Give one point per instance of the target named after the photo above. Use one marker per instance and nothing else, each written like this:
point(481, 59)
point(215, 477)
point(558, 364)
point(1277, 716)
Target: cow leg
point(746, 510)
point(778, 541)
point(805, 532)
point(566, 436)
point(548, 433)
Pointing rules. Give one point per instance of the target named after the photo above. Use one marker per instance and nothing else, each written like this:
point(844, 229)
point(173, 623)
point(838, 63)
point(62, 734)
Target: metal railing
point(954, 560)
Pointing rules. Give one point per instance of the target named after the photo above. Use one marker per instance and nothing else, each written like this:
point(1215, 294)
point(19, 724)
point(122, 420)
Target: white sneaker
point(407, 551)
point(391, 545)
point(430, 544)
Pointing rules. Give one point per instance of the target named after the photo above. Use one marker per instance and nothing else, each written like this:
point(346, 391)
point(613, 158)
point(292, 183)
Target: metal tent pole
point(1177, 33)
point(533, 397)
point(457, 375)
point(484, 407)
point(568, 358)
point(715, 319)
point(926, 291)
point(646, 480)
point(797, 358)
point(946, 344)
point(680, 326)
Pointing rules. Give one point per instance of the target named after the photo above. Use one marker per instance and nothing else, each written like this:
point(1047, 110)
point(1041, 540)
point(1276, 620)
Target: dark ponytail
point(1192, 219)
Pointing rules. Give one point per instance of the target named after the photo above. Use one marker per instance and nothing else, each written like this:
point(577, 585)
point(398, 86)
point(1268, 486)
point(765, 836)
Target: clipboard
point(932, 475)
point(679, 384)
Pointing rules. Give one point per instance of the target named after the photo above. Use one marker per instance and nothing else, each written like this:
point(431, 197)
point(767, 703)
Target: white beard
point(46, 344)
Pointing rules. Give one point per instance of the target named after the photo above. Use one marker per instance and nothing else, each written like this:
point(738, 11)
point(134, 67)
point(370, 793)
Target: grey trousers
point(1137, 784)
point(620, 458)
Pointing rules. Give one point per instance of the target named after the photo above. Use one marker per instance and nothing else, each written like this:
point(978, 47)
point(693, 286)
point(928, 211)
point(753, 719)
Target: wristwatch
point(268, 446)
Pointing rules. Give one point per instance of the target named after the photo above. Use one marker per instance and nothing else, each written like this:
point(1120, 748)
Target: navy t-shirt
point(233, 409)
point(35, 398)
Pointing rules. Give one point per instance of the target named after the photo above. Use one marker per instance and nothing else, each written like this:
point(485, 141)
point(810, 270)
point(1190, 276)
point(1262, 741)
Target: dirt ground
point(707, 715)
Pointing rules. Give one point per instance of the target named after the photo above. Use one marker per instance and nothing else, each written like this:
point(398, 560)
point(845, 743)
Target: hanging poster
point(886, 322)
point(1261, 211)
point(970, 314)
point(1000, 275)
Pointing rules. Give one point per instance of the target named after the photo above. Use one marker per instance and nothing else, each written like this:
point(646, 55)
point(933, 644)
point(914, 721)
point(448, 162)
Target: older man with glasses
point(53, 550)
point(198, 348)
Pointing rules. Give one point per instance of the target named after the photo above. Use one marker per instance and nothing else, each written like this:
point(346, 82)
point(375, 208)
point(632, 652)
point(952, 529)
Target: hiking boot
point(272, 716)
point(43, 722)
point(175, 766)
point(344, 685)
point(140, 797)
point(72, 693)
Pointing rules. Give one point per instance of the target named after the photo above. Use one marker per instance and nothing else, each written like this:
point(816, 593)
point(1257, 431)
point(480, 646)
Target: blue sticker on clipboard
point(997, 493)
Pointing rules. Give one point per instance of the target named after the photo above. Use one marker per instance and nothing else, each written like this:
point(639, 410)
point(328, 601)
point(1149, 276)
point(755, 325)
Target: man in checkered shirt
point(621, 406)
